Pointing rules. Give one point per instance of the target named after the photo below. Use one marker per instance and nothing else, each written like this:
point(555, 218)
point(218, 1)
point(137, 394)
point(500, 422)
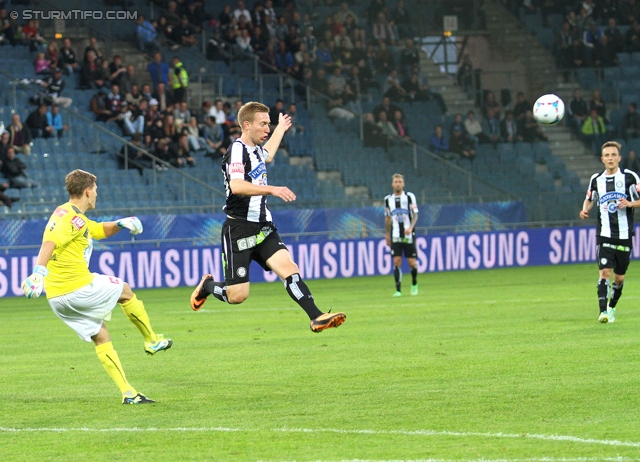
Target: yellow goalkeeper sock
point(134, 309)
point(109, 359)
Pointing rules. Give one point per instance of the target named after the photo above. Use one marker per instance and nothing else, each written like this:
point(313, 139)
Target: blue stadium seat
point(624, 59)
point(547, 37)
point(635, 58)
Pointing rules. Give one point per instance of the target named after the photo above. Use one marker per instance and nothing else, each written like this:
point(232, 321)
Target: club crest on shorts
point(603, 261)
point(241, 272)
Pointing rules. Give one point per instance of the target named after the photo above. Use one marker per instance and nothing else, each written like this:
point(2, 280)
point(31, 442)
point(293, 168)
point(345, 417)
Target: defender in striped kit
point(401, 216)
point(248, 233)
point(615, 193)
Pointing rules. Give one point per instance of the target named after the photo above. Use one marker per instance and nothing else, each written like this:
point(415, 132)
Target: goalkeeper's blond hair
point(248, 112)
point(78, 181)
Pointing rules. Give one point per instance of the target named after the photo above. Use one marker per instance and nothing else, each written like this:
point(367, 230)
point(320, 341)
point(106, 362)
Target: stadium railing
point(192, 191)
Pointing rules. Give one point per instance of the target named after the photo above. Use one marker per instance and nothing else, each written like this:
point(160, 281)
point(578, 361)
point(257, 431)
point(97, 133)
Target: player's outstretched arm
point(271, 146)
point(133, 224)
point(245, 188)
point(33, 285)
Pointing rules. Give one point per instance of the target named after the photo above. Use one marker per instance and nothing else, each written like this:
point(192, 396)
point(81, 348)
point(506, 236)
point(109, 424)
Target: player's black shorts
point(409, 249)
point(613, 256)
point(243, 241)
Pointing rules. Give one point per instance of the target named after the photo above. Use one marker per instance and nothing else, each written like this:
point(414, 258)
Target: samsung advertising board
point(183, 266)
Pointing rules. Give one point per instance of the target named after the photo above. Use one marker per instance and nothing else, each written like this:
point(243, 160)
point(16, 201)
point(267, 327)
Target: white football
point(548, 109)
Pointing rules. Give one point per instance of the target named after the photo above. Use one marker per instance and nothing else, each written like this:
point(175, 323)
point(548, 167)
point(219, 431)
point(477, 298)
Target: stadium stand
point(309, 160)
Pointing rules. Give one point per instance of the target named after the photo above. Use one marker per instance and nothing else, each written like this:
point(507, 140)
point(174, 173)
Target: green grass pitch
point(506, 364)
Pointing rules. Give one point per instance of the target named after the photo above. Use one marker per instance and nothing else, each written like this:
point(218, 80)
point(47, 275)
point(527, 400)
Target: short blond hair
point(78, 181)
point(397, 175)
point(612, 144)
point(248, 112)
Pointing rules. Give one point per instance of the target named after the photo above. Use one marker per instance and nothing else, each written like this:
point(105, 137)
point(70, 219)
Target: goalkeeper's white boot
point(603, 318)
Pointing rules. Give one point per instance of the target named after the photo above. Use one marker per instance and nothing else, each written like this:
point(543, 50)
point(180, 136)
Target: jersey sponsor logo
point(60, 212)
point(236, 167)
point(258, 171)
point(400, 212)
point(78, 222)
point(610, 201)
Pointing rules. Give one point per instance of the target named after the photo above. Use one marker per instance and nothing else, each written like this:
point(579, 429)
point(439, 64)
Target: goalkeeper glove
point(33, 285)
point(133, 224)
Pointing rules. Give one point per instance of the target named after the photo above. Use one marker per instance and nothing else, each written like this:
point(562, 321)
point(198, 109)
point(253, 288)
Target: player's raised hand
point(283, 192)
point(133, 224)
point(284, 120)
point(34, 284)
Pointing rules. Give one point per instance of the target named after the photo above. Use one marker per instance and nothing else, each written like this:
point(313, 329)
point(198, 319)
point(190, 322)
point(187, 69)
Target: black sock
point(217, 289)
point(603, 294)
point(397, 275)
point(300, 293)
point(414, 275)
point(615, 294)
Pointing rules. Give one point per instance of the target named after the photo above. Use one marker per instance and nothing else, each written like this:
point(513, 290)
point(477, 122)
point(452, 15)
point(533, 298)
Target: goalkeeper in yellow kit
point(81, 299)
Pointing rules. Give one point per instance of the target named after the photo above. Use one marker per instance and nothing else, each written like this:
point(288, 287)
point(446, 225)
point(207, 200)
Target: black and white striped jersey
point(614, 225)
point(242, 162)
point(401, 209)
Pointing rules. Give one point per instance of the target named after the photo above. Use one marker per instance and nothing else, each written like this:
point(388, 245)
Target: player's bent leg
point(127, 293)
point(282, 264)
point(102, 336)
point(238, 293)
point(137, 314)
point(208, 286)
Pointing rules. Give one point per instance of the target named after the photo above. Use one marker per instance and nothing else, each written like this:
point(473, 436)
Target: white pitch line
point(563, 438)
point(536, 459)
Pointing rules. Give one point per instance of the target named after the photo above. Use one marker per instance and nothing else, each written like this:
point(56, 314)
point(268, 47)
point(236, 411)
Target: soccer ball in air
point(548, 109)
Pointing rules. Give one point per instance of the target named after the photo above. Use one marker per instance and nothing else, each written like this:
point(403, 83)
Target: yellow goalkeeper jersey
point(72, 233)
